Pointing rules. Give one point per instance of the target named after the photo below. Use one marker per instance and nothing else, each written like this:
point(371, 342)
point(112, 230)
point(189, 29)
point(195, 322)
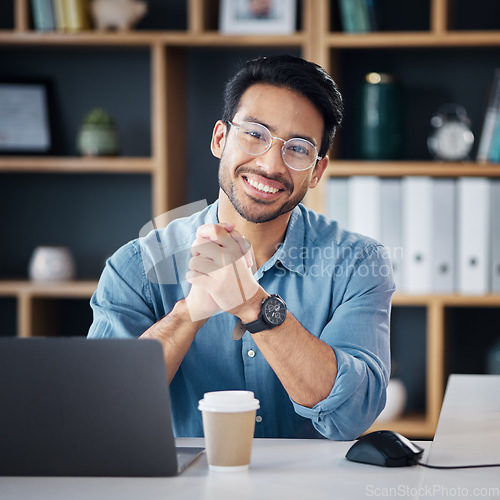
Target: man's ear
point(218, 139)
point(318, 172)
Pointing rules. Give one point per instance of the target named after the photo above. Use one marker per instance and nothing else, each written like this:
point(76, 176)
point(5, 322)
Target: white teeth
point(262, 187)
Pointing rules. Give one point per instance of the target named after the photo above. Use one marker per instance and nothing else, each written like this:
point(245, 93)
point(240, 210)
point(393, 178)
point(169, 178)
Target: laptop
point(86, 407)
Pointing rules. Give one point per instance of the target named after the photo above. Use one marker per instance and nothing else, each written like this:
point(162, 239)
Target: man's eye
point(297, 149)
point(255, 134)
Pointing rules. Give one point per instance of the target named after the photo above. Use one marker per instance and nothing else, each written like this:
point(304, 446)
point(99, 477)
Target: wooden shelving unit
point(316, 40)
point(69, 165)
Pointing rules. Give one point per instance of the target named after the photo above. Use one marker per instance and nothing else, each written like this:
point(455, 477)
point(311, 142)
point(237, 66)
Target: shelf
point(165, 64)
point(444, 300)
point(67, 289)
point(215, 38)
point(413, 39)
point(76, 165)
point(87, 288)
point(346, 168)
point(146, 38)
point(132, 38)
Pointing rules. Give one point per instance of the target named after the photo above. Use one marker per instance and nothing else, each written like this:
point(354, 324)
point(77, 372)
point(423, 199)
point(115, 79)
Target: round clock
point(451, 138)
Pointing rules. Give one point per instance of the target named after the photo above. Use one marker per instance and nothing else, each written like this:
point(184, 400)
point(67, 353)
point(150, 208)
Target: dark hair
point(296, 74)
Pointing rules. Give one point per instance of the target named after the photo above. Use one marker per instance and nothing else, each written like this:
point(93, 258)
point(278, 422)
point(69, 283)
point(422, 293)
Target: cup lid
point(228, 401)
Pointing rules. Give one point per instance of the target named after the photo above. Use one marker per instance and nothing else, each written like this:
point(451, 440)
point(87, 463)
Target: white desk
point(280, 470)
point(468, 432)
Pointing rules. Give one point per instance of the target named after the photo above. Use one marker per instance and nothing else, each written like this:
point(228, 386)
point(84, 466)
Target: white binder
point(473, 235)
point(417, 234)
point(391, 225)
point(495, 235)
point(337, 204)
point(444, 234)
point(364, 205)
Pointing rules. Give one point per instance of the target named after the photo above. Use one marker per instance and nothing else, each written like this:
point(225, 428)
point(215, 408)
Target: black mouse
point(385, 448)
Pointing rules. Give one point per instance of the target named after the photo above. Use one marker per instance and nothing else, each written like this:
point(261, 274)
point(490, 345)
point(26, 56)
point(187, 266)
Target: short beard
point(228, 189)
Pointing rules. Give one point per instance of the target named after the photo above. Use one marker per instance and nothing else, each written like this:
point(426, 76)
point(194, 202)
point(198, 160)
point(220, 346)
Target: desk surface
point(280, 469)
point(468, 432)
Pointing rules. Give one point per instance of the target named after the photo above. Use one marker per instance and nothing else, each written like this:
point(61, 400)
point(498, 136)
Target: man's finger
point(245, 246)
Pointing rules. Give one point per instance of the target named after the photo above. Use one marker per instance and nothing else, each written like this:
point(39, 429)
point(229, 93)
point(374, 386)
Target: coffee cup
point(229, 425)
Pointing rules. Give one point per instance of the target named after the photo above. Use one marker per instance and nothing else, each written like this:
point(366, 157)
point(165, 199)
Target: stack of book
point(489, 143)
point(60, 15)
point(442, 234)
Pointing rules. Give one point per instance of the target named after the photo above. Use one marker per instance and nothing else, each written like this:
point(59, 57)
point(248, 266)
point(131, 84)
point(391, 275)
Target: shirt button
point(251, 353)
point(258, 419)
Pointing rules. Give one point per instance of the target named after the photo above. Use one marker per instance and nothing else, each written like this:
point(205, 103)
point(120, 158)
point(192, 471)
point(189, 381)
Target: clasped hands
point(220, 271)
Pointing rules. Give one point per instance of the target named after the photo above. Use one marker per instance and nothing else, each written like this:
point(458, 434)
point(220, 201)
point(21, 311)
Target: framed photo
point(24, 118)
point(254, 17)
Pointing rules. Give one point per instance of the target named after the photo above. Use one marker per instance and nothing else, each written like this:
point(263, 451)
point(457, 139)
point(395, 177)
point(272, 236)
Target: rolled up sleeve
point(359, 333)
point(120, 304)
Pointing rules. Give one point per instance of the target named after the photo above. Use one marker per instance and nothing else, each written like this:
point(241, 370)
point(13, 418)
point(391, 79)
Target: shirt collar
point(212, 213)
point(291, 253)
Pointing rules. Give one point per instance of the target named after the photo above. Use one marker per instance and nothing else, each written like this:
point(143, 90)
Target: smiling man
point(280, 300)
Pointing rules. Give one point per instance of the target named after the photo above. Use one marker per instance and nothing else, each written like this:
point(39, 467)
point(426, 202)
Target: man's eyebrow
point(253, 119)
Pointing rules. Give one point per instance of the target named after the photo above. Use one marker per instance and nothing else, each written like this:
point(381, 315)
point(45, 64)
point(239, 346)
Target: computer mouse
point(385, 448)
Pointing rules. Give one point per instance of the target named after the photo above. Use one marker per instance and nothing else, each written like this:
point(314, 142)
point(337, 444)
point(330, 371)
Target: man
point(311, 301)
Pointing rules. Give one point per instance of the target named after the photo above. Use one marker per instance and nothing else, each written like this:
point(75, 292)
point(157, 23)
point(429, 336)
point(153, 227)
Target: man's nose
point(272, 159)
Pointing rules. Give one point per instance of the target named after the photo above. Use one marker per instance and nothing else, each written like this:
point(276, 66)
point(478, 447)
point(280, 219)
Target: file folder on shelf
point(444, 236)
point(337, 204)
point(417, 234)
point(495, 235)
point(364, 205)
point(473, 235)
point(391, 226)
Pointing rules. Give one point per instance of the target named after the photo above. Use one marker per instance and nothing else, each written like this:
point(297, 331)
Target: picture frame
point(255, 17)
point(25, 126)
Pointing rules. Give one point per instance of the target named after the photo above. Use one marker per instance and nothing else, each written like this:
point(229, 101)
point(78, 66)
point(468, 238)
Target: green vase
point(380, 124)
point(98, 140)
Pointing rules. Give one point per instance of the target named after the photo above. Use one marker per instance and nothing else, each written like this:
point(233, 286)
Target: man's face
point(261, 188)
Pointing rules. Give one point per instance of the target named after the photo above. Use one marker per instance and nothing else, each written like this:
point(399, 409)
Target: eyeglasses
point(255, 139)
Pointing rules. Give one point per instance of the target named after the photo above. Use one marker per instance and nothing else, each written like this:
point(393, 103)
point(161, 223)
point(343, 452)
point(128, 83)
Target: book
point(490, 123)
point(355, 16)
point(60, 15)
point(372, 14)
point(494, 150)
point(43, 16)
point(77, 16)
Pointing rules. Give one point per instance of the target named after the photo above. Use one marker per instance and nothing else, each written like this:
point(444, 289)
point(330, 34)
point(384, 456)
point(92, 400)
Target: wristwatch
point(272, 314)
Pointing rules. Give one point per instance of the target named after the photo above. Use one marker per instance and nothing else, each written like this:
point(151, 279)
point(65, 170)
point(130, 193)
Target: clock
point(451, 138)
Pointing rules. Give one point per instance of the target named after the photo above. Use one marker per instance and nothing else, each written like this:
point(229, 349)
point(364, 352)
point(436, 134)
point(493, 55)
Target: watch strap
point(256, 326)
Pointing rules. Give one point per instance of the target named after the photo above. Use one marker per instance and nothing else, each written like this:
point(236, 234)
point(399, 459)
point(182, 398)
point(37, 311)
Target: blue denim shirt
point(336, 283)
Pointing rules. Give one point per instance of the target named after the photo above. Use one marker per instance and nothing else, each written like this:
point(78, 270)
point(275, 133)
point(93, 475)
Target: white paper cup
point(229, 426)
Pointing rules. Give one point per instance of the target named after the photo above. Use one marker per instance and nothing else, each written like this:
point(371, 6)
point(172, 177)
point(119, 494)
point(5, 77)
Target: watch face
point(452, 141)
point(274, 311)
